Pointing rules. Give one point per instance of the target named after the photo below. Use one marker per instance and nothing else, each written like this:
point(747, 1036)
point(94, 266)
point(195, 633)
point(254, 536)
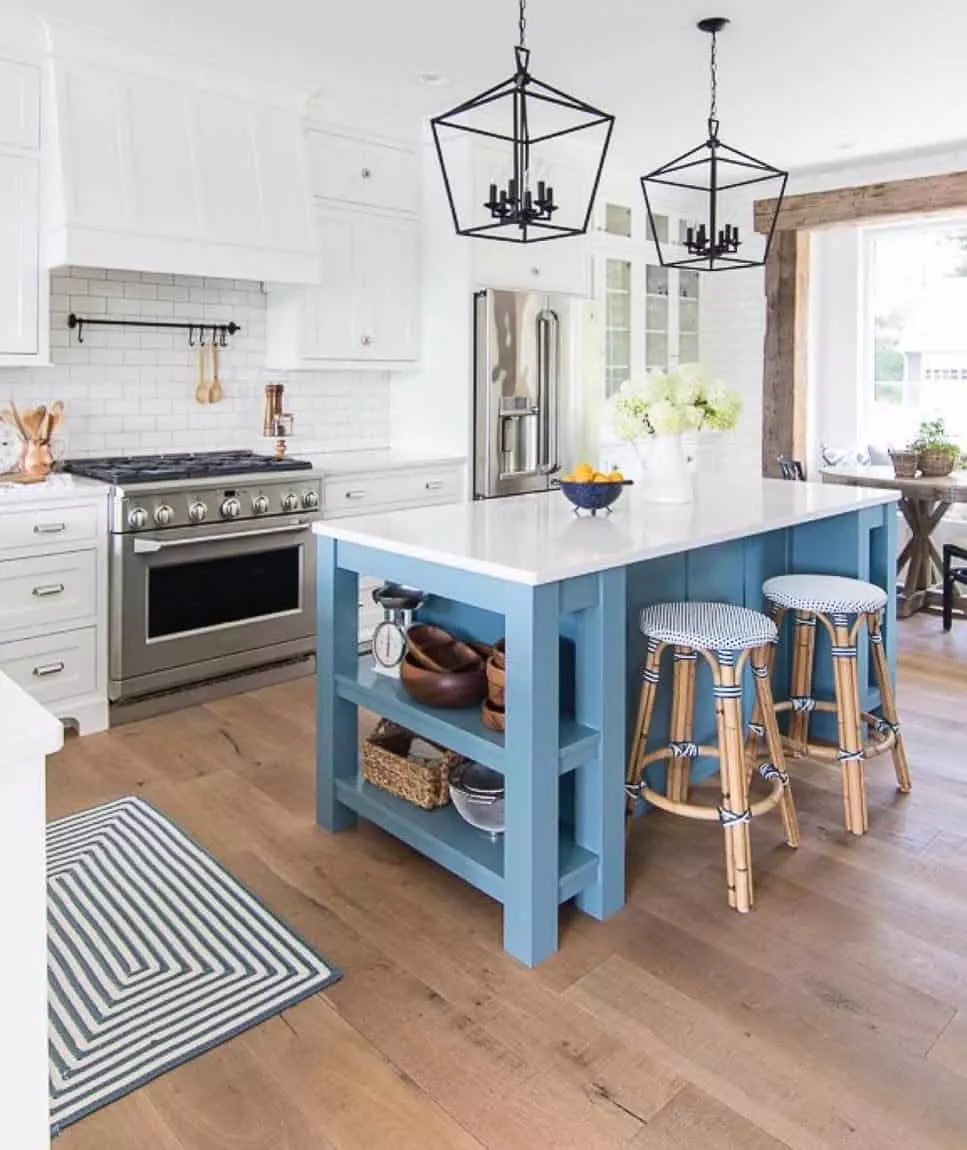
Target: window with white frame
point(915, 329)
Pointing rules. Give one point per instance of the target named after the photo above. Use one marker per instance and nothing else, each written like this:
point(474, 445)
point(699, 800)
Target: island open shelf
point(443, 836)
point(459, 730)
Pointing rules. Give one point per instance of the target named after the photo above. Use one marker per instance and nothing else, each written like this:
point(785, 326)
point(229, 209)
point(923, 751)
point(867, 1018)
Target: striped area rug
point(155, 954)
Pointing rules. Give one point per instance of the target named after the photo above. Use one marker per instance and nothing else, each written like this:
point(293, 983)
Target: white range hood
point(164, 172)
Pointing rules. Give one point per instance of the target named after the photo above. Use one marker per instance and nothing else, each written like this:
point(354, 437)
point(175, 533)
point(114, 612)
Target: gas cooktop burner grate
point(201, 465)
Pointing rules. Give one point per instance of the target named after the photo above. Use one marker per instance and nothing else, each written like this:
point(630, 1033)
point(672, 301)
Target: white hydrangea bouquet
point(657, 415)
point(674, 402)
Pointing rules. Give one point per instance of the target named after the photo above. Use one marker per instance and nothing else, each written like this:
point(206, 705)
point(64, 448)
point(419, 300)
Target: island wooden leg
point(337, 721)
point(600, 703)
point(531, 834)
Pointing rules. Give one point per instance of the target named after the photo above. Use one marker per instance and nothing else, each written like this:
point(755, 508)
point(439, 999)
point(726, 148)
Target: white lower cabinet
point(53, 603)
point(366, 310)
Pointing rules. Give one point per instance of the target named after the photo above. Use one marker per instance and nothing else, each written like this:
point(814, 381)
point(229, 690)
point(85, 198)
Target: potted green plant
point(939, 454)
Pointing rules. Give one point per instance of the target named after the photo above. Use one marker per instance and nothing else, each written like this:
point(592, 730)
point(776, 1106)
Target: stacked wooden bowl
point(442, 671)
point(492, 709)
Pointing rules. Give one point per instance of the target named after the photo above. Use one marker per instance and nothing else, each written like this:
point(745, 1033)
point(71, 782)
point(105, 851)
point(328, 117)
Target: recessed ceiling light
point(431, 79)
point(843, 146)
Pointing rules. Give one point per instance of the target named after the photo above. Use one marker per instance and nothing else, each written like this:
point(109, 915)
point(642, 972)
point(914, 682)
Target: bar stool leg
point(803, 660)
point(646, 707)
point(761, 667)
point(680, 731)
point(888, 700)
point(756, 726)
point(851, 754)
point(734, 812)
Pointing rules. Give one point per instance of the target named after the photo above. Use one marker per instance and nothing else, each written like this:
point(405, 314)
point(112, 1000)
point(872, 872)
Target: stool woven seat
point(708, 626)
point(827, 593)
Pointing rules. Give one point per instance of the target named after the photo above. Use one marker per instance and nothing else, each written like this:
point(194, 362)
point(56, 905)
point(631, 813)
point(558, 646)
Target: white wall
point(130, 390)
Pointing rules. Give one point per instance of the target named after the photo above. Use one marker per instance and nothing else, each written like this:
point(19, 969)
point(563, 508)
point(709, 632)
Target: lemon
point(583, 473)
point(616, 477)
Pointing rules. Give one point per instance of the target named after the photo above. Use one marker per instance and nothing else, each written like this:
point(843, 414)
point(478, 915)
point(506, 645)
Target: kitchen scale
point(389, 636)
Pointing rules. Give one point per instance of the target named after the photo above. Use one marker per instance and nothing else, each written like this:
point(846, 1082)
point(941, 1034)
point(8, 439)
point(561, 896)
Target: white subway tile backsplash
point(132, 390)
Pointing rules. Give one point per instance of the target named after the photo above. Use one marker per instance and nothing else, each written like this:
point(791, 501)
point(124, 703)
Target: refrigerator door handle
point(548, 399)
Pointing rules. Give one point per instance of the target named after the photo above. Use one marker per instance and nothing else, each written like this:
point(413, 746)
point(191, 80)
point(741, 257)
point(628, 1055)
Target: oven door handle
point(153, 546)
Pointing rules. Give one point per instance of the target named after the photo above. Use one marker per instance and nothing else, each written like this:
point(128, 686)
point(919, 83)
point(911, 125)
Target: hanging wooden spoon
point(201, 386)
point(215, 387)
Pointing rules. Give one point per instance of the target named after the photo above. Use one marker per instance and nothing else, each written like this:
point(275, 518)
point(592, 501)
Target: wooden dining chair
point(952, 575)
point(791, 468)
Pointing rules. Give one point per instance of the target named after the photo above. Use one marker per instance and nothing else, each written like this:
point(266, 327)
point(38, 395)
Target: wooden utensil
point(201, 386)
point(215, 386)
point(56, 417)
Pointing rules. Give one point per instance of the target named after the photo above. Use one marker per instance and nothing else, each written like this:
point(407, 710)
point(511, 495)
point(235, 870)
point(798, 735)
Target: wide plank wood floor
point(834, 1015)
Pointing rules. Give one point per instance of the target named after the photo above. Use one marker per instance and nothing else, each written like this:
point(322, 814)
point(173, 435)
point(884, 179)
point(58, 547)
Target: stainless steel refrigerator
point(524, 422)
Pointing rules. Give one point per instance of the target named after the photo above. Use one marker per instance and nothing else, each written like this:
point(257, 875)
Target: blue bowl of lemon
point(592, 491)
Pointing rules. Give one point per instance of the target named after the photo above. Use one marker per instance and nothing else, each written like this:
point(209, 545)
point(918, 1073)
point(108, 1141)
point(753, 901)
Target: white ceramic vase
point(666, 476)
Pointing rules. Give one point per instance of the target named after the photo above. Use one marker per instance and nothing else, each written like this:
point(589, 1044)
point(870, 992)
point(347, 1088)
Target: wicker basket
point(905, 463)
point(937, 461)
point(386, 765)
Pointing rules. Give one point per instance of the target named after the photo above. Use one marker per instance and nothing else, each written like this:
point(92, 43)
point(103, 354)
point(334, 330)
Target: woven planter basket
point(937, 461)
point(386, 765)
point(905, 463)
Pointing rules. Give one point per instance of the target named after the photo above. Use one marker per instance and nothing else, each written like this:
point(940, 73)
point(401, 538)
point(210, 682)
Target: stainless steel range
point(211, 577)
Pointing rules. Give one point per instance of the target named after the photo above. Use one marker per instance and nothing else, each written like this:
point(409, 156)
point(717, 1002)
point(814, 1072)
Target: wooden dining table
point(924, 502)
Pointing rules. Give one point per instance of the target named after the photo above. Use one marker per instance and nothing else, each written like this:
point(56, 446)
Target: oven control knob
point(310, 501)
point(230, 509)
point(198, 512)
point(163, 515)
point(290, 502)
point(260, 504)
point(137, 518)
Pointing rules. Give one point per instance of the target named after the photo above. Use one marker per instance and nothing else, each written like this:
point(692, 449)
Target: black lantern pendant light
point(517, 119)
point(709, 174)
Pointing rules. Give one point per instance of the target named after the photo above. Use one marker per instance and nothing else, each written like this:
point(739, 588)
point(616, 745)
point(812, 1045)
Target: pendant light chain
point(523, 23)
point(714, 73)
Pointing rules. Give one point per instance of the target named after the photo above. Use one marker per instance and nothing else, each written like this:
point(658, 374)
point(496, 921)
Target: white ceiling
point(800, 83)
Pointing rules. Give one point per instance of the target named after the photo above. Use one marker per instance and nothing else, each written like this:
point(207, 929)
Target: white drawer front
point(363, 172)
point(55, 667)
point(42, 526)
point(363, 494)
point(47, 591)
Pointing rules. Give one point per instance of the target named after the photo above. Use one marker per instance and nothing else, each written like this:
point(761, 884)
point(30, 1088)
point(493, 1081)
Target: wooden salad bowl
point(458, 688)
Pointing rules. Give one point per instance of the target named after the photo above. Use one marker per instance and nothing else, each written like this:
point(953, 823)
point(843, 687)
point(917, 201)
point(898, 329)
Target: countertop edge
point(342, 531)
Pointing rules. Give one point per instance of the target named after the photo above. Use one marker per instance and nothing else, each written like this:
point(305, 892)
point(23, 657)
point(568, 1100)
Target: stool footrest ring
point(707, 814)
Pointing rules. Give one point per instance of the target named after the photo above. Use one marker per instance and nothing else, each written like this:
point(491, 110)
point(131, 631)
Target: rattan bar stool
point(726, 637)
point(842, 606)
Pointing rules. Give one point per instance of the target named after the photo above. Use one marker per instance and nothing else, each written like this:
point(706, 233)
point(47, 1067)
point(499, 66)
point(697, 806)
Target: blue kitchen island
point(566, 592)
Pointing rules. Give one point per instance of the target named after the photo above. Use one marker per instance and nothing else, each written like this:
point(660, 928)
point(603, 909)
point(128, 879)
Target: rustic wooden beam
point(866, 202)
point(785, 382)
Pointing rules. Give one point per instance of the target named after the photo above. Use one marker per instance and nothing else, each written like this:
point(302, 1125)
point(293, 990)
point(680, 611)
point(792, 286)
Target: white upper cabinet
point(19, 265)
point(161, 175)
point(365, 313)
point(364, 172)
point(19, 105)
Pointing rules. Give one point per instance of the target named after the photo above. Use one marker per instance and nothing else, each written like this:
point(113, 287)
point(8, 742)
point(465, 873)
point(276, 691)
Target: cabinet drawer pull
point(355, 494)
point(366, 341)
point(49, 528)
point(48, 590)
point(48, 669)
point(367, 173)
point(434, 484)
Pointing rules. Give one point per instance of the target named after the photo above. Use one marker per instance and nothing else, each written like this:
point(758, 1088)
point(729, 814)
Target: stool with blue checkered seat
point(841, 606)
point(726, 637)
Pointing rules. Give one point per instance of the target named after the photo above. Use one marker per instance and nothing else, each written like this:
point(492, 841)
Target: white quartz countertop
point(61, 488)
point(356, 462)
point(28, 729)
point(536, 539)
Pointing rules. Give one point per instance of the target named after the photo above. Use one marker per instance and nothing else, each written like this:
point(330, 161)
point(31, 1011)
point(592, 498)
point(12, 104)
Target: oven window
point(190, 596)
